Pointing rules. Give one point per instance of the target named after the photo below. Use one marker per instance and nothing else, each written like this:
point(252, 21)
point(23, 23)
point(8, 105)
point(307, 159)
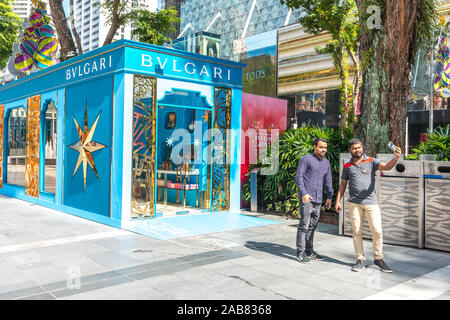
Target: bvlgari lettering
point(88, 68)
point(190, 68)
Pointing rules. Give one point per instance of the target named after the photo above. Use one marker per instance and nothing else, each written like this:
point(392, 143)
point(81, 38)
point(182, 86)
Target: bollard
point(254, 190)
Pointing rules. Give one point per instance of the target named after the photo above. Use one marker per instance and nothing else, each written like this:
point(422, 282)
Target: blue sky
point(66, 7)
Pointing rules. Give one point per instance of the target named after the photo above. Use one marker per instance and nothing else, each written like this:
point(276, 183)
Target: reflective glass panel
point(17, 141)
point(50, 148)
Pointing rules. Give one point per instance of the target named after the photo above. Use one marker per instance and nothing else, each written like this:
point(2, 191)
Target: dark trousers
point(309, 217)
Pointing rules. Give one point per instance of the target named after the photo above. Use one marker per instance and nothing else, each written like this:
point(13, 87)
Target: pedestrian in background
point(313, 173)
point(359, 173)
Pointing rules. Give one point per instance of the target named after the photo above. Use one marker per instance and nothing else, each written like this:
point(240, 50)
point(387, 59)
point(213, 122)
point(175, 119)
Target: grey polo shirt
point(361, 180)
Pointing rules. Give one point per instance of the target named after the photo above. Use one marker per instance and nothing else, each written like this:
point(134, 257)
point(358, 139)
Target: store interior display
point(181, 161)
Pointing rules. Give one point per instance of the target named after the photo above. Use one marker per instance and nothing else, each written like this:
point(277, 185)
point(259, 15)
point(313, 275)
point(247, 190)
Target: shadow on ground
point(323, 228)
point(286, 252)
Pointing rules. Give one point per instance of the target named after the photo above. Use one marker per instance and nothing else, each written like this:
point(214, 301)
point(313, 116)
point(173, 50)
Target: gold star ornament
point(86, 146)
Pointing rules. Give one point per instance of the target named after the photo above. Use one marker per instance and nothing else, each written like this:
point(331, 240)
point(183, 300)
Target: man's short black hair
point(353, 142)
point(316, 142)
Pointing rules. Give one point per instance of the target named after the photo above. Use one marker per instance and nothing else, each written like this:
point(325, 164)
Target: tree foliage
point(150, 27)
point(154, 27)
point(10, 25)
point(437, 143)
point(118, 13)
point(278, 192)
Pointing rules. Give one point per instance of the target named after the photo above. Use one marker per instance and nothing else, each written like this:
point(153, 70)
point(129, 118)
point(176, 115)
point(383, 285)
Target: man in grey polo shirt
point(359, 173)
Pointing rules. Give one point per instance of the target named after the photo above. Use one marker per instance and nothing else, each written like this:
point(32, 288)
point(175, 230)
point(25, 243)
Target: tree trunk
point(356, 85)
point(74, 30)
point(400, 27)
point(373, 127)
point(115, 23)
point(386, 79)
point(64, 36)
point(344, 85)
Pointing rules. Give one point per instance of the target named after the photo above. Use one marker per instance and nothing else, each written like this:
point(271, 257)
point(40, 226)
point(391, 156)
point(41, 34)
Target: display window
point(183, 157)
point(16, 147)
point(49, 121)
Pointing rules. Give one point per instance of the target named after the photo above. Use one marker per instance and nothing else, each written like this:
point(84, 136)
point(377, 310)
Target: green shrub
point(437, 143)
point(279, 192)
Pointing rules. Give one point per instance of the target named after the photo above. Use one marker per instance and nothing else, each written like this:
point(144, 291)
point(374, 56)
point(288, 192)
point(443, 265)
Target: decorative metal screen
point(220, 153)
point(32, 149)
point(144, 147)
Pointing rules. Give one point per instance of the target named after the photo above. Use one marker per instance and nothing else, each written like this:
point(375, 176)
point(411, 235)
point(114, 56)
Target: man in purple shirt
point(313, 173)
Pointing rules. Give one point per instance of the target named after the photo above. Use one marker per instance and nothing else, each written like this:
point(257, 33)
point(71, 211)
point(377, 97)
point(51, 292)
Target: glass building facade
point(243, 31)
point(234, 19)
point(200, 42)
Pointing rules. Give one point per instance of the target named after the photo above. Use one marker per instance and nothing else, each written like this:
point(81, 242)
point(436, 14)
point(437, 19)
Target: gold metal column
point(32, 148)
point(144, 148)
point(221, 157)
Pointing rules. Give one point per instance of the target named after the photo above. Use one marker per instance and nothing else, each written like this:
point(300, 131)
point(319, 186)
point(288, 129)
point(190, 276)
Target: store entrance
point(183, 160)
point(181, 151)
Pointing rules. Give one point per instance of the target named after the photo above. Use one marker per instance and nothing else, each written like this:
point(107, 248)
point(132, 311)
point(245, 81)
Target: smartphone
point(391, 146)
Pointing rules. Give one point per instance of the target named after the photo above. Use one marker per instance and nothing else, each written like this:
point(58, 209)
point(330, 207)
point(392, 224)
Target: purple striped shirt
point(312, 176)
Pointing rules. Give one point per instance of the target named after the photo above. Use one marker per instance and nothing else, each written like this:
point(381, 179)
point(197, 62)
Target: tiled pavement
point(45, 254)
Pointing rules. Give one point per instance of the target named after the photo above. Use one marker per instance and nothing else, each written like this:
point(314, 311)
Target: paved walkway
point(45, 254)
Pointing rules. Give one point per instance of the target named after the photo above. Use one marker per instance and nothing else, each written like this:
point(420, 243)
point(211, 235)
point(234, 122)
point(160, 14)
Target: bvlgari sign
point(184, 66)
point(190, 67)
point(89, 67)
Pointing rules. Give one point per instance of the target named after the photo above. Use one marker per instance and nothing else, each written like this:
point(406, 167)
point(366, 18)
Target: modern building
point(23, 8)
point(309, 81)
point(234, 20)
point(244, 30)
point(91, 23)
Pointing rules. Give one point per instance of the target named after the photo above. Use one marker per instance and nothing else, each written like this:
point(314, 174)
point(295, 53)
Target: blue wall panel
point(98, 96)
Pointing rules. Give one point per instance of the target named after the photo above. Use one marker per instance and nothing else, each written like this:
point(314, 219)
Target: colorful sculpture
point(23, 62)
point(48, 46)
point(37, 47)
point(28, 47)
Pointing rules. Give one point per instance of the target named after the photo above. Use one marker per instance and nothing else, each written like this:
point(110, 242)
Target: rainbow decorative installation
point(38, 46)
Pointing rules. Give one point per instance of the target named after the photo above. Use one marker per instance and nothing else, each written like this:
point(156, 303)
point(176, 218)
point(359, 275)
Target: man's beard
point(357, 156)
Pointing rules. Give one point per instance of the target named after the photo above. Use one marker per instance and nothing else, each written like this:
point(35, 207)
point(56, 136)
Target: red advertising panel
point(260, 115)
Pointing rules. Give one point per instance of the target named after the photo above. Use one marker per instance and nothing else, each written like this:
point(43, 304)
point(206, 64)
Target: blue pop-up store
point(124, 135)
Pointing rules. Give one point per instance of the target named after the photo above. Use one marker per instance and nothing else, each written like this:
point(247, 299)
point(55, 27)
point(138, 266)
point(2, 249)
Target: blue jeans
point(309, 218)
